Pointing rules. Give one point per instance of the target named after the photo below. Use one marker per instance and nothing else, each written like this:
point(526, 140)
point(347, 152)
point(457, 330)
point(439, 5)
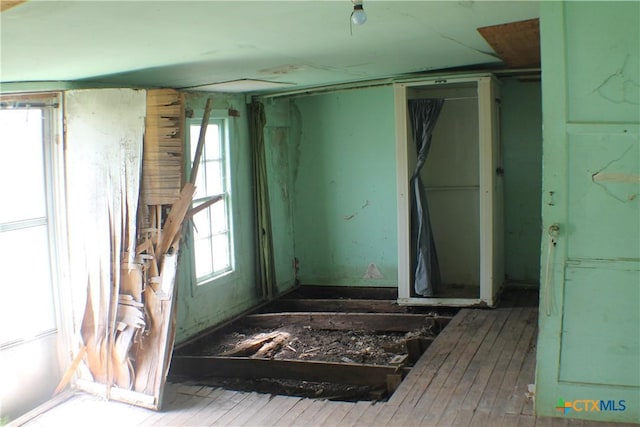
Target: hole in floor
point(359, 351)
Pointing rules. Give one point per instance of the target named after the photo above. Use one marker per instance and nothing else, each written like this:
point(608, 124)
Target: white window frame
point(221, 120)
point(52, 151)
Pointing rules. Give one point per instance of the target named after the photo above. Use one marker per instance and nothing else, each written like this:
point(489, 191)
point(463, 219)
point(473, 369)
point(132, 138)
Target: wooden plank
point(354, 292)
point(292, 414)
point(383, 322)
point(385, 414)
point(463, 418)
point(222, 405)
point(422, 400)
point(219, 398)
point(515, 365)
point(200, 398)
point(519, 402)
point(526, 421)
point(354, 413)
point(170, 410)
point(543, 422)
point(163, 147)
point(276, 406)
point(241, 415)
point(250, 346)
point(428, 365)
point(482, 378)
point(435, 399)
point(369, 415)
point(490, 392)
point(174, 220)
point(304, 370)
point(480, 357)
point(340, 410)
point(338, 305)
point(309, 414)
point(201, 140)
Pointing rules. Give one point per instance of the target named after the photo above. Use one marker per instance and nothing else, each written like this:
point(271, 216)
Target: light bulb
point(358, 16)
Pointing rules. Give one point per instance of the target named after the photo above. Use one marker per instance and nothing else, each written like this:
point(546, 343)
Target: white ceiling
point(195, 43)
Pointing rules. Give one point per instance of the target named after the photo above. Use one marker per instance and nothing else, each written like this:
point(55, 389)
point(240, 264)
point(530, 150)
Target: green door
point(588, 360)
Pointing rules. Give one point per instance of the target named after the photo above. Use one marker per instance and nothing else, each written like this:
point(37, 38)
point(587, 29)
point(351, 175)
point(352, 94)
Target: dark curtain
point(424, 115)
point(265, 268)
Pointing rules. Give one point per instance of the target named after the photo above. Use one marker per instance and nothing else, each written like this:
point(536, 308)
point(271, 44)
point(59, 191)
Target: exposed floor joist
point(249, 368)
point(382, 322)
point(332, 304)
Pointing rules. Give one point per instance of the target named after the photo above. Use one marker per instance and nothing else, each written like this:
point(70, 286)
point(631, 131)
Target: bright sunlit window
point(212, 248)
point(26, 294)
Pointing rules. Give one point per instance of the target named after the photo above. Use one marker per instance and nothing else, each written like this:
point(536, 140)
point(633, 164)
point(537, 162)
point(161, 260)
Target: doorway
point(462, 184)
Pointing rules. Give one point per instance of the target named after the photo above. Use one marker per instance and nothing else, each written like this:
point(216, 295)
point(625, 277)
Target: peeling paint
point(373, 272)
point(616, 177)
point(622, 186)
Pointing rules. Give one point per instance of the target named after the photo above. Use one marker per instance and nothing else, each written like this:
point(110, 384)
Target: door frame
point(491, 224)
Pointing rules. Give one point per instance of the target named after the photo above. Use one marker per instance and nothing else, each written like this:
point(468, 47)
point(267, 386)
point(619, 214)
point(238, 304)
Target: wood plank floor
point(475, 373)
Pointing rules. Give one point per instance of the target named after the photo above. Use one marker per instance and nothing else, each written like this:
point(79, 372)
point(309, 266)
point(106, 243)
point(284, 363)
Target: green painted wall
point(332, 173)
point(345, 187)
point(589, 335)
point(200, 307)
point(521, 135)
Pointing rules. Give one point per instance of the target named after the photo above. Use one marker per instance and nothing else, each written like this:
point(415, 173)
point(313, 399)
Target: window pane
point(26, 301)
point(220, 252)
point(218, 217)
point(213, 143)
point(214, 177)
point(204, 264)
point(21, 165)
point(214, 257)
point(202, 224)
point(201, 179)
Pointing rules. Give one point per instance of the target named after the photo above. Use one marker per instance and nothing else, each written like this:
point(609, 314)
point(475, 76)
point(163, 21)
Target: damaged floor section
point(476, 372)
point(355, 348)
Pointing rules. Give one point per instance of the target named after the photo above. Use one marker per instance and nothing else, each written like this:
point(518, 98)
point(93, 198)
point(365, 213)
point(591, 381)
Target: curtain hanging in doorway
point(424, 115)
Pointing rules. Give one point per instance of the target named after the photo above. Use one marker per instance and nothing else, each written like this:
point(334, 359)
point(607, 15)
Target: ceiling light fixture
point(358, 16)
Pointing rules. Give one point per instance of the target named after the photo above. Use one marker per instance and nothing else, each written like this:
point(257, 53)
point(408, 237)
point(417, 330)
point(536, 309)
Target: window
point(26, 279)
point(213, 254)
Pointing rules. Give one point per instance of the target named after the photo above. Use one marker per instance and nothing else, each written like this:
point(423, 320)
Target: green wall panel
point(589, 335)
point(607, 320)
point(521, 134)
point(604, 70)
point(331, 167)
point(345, 190)
point(604, 198)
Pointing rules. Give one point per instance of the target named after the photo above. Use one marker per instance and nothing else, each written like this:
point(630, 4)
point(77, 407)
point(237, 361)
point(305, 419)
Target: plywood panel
point(517, 43)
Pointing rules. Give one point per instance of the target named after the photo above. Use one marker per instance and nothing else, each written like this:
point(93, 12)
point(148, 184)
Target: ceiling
point(193, 44)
